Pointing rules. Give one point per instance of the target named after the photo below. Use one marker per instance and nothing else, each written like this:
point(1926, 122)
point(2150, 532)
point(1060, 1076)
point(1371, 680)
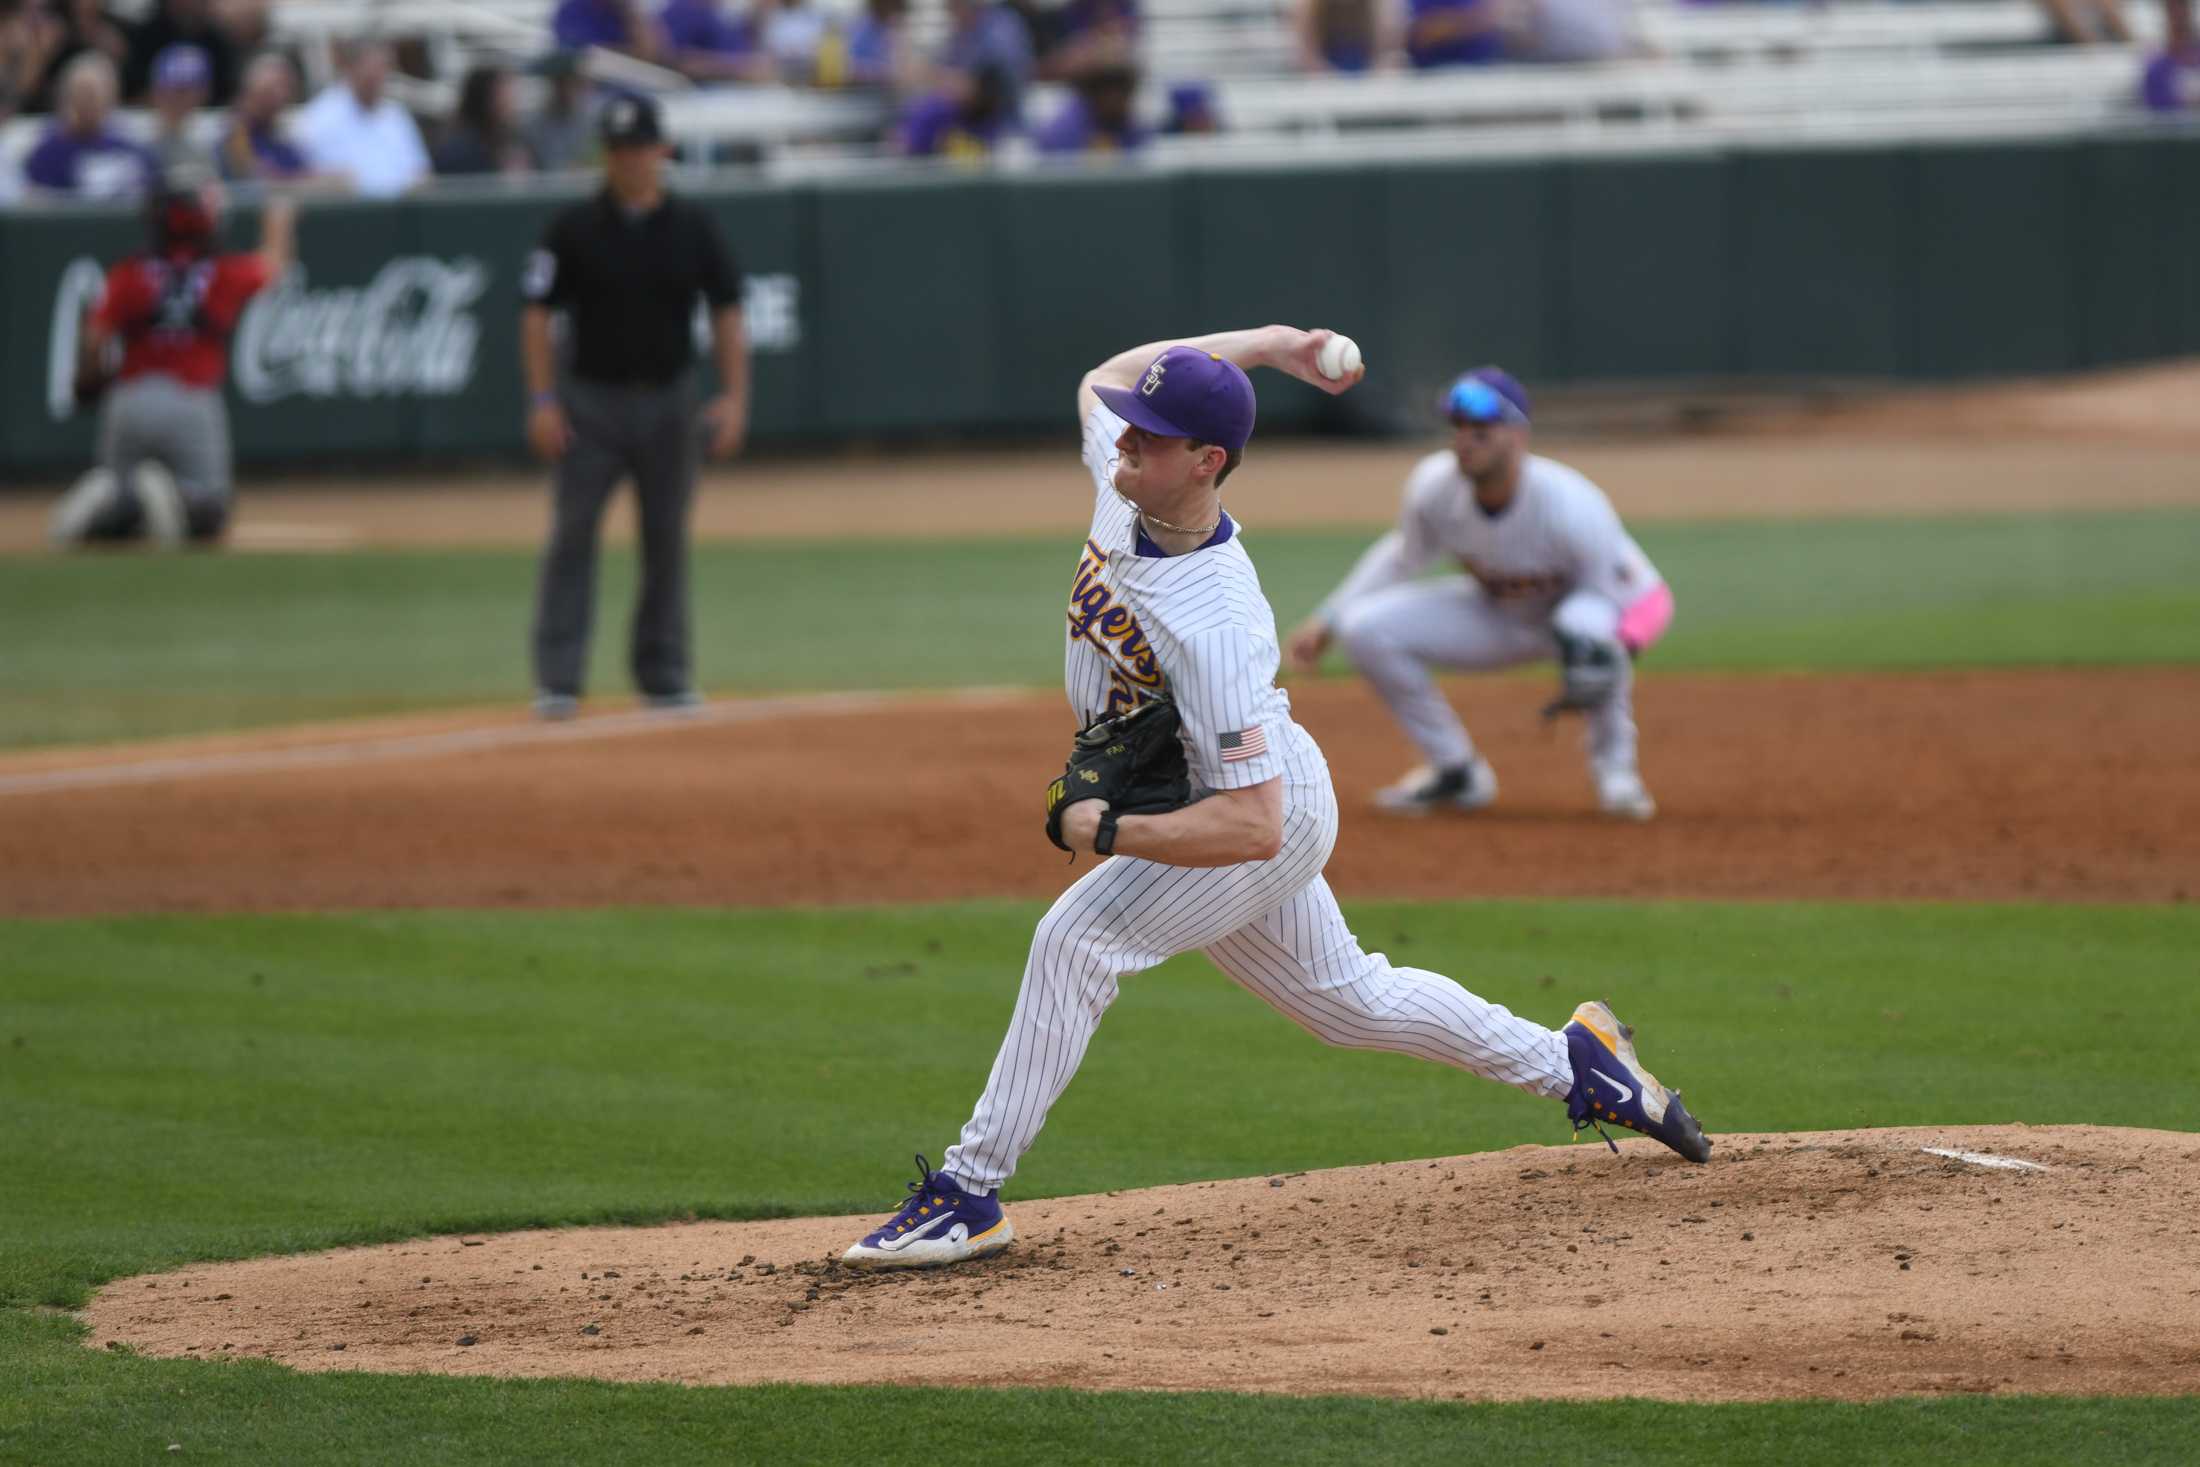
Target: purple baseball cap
point(1188, 393)
point(180, 68)
point(1485, 395)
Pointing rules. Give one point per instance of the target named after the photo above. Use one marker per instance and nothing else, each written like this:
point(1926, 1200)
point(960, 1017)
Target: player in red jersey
point(154, 353)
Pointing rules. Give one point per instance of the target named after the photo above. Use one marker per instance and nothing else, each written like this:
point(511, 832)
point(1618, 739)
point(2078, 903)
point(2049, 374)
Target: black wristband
point(1103, 838)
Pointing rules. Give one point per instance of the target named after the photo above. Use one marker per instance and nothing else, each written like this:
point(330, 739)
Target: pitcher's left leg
point(1123, 917)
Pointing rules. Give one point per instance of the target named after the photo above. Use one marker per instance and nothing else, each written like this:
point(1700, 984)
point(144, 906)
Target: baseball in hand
point(1340, 357)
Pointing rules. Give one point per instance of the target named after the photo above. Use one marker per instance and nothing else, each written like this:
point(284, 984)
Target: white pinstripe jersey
point(1195, 627)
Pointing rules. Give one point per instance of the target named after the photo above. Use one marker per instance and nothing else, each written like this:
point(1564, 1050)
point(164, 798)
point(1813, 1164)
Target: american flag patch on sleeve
point(1248, 743)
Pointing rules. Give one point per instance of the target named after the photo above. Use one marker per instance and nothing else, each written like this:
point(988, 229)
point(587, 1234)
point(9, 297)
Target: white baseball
point(1340, 357)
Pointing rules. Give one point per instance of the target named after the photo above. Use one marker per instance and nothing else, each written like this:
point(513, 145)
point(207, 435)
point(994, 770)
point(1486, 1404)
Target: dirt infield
point(1850, 1265)
point(2048, 785)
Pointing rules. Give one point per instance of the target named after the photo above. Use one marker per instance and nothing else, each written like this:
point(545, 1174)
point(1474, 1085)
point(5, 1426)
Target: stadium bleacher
point(1706, 75)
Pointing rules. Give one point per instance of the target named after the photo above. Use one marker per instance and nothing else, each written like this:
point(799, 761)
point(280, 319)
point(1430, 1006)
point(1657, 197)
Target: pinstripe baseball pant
point(1272, 926)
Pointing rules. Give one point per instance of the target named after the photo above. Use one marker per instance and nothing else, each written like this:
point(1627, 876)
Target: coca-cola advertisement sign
point(408, 332)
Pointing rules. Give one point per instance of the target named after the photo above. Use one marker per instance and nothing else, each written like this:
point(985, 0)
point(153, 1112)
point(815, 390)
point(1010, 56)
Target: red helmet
point(180, 223)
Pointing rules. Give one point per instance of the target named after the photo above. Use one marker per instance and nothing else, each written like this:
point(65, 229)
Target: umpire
point(626, 267)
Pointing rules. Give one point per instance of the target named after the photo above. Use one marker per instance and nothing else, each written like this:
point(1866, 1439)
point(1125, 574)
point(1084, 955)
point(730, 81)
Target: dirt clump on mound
point(1850, 1265)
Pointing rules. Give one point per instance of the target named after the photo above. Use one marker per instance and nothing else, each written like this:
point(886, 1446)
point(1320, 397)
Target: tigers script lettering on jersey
point(1195, 628)
point(1095, 616)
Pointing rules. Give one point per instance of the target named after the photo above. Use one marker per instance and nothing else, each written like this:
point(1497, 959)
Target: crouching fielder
point(1165, 604)
point(1549, 573)
point(164, 454)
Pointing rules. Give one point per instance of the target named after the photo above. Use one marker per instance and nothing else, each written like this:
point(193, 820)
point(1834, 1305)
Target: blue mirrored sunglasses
point(1471, 400)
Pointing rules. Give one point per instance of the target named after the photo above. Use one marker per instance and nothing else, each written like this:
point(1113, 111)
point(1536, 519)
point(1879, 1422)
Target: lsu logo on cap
point(1152, 384)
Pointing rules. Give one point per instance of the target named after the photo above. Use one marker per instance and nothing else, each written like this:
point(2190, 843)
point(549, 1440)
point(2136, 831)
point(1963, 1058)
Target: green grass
point(113, 647)
point(77, 1406)
point(178, 1089)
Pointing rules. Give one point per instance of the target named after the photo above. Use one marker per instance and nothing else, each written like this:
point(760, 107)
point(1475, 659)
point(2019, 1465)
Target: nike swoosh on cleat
point(1625, 1094)
point(892, 1245)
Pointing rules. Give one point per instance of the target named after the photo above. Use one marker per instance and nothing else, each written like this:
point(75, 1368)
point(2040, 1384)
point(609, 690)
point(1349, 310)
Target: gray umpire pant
point(648, 433)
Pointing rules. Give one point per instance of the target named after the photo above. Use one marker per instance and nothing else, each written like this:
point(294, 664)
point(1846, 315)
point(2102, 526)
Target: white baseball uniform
point(1556, 557)
point(1197, 628)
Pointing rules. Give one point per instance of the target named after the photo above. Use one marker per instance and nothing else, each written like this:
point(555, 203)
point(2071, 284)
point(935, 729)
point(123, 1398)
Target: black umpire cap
point(629, 121)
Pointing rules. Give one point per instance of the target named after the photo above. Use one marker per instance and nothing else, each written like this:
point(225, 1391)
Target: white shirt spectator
point(378, 146)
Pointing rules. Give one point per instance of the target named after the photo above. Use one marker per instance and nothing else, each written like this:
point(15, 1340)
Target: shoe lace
point(1589, 1122)
point(1584, 1117)
point(925, 1194)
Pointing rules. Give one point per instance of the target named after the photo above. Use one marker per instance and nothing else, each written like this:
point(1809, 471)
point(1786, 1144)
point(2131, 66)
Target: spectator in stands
point(1347, 35)
point(1192, 110)
point(616, 25)
point(1098, 117)
point(251, 146)
point(791, 35)
point(30, 39)
point(985, 38)
point(707, 41)
point(179, 90)
point(1453, 33)
point(81, 153)
point(484, 134)
point(181, 23)
point(2086, 22)
point(559, 135)
point(72, 27)
point(966, 126)
point(246, 24)
point(875, 49)
point(1085, 35)
point(2171, 81)
point(1564, 31)
point(353, 129)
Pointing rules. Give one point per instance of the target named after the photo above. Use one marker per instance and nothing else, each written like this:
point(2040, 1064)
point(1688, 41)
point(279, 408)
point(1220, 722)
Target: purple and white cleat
point(938, 1225)
point(1610, 1084)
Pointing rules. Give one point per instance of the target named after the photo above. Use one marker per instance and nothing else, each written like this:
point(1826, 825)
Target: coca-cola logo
point(408, 332)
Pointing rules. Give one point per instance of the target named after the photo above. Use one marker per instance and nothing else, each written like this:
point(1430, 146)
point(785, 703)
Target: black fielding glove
point(1134, 761)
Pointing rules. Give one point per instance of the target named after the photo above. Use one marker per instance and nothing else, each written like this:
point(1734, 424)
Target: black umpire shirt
point(628, 285)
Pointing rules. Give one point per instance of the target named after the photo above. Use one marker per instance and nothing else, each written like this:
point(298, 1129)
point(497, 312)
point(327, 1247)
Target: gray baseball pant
point(648, 433)
point(158, 419)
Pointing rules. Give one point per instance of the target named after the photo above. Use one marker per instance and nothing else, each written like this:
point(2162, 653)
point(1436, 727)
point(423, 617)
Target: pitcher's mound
point(1856, 1264)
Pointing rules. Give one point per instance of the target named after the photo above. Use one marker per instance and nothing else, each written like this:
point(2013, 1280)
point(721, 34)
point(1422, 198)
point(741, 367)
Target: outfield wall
point(970, 304)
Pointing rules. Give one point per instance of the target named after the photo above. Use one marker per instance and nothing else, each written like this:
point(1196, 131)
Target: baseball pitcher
point(1211, 810)
point(1549, 572)
point(164, 453)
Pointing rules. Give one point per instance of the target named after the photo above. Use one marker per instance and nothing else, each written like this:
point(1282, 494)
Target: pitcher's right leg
point(1303, 960)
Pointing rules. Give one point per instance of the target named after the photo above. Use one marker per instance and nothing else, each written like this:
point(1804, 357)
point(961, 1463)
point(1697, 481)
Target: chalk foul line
point(397, 747)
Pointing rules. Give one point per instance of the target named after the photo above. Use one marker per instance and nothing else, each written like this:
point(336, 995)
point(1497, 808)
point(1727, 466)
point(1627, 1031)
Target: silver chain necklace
point(1161, 524)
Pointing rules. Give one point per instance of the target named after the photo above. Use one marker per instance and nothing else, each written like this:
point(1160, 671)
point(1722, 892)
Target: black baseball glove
point(1134, 761)
point(90, 385)
point(1588, 675)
